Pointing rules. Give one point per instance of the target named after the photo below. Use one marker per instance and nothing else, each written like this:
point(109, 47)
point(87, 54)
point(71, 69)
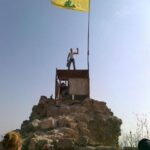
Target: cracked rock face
point(69, 125)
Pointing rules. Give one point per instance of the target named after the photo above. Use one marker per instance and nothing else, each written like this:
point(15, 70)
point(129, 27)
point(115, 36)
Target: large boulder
point(48, 123)
point(71, 124)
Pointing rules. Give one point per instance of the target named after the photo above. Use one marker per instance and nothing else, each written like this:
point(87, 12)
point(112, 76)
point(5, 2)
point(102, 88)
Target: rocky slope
point(70, 125)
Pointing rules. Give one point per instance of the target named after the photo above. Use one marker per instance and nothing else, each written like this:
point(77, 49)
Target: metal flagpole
point(88, 37)
point(88, 47)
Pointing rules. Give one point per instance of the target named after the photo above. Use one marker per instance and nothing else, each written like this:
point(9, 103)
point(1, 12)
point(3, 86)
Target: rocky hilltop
point(70, 125)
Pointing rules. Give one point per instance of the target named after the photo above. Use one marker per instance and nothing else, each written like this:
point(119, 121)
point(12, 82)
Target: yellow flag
point(79, 5)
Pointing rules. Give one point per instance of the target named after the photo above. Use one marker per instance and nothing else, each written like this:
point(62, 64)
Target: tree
point(141, 131)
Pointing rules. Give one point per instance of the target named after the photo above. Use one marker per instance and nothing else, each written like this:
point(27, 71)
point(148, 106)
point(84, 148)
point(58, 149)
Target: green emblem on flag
point(69, 4)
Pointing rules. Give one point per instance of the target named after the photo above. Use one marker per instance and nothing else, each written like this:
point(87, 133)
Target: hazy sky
point(35, 38)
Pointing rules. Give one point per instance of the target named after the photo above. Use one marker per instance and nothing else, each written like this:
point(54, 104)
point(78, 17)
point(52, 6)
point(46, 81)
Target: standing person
point(70, 58)
point(11, 141)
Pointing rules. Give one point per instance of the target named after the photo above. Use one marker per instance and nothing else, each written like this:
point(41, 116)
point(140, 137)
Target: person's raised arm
point(77, 52)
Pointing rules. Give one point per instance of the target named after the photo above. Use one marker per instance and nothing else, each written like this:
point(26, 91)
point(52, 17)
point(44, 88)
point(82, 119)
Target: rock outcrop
point(70, 125)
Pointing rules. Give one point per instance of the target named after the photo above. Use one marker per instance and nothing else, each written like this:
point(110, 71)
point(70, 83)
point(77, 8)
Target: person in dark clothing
point(144, 144)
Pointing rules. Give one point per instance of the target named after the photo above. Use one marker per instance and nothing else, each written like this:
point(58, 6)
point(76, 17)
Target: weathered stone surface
point(130, 148)
point(70, 124)
point(64, 144)
point(105, 148)
point(82, 141)
point(48, 123)
point(84, 148)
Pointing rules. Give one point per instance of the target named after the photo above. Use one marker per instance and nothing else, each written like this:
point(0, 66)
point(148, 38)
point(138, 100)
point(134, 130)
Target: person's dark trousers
point(73, 62)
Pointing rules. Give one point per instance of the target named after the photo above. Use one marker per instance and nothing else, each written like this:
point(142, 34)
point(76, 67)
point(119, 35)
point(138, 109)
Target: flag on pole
point(79, 5)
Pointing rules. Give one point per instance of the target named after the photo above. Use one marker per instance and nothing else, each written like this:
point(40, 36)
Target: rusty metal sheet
point(79, 86)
